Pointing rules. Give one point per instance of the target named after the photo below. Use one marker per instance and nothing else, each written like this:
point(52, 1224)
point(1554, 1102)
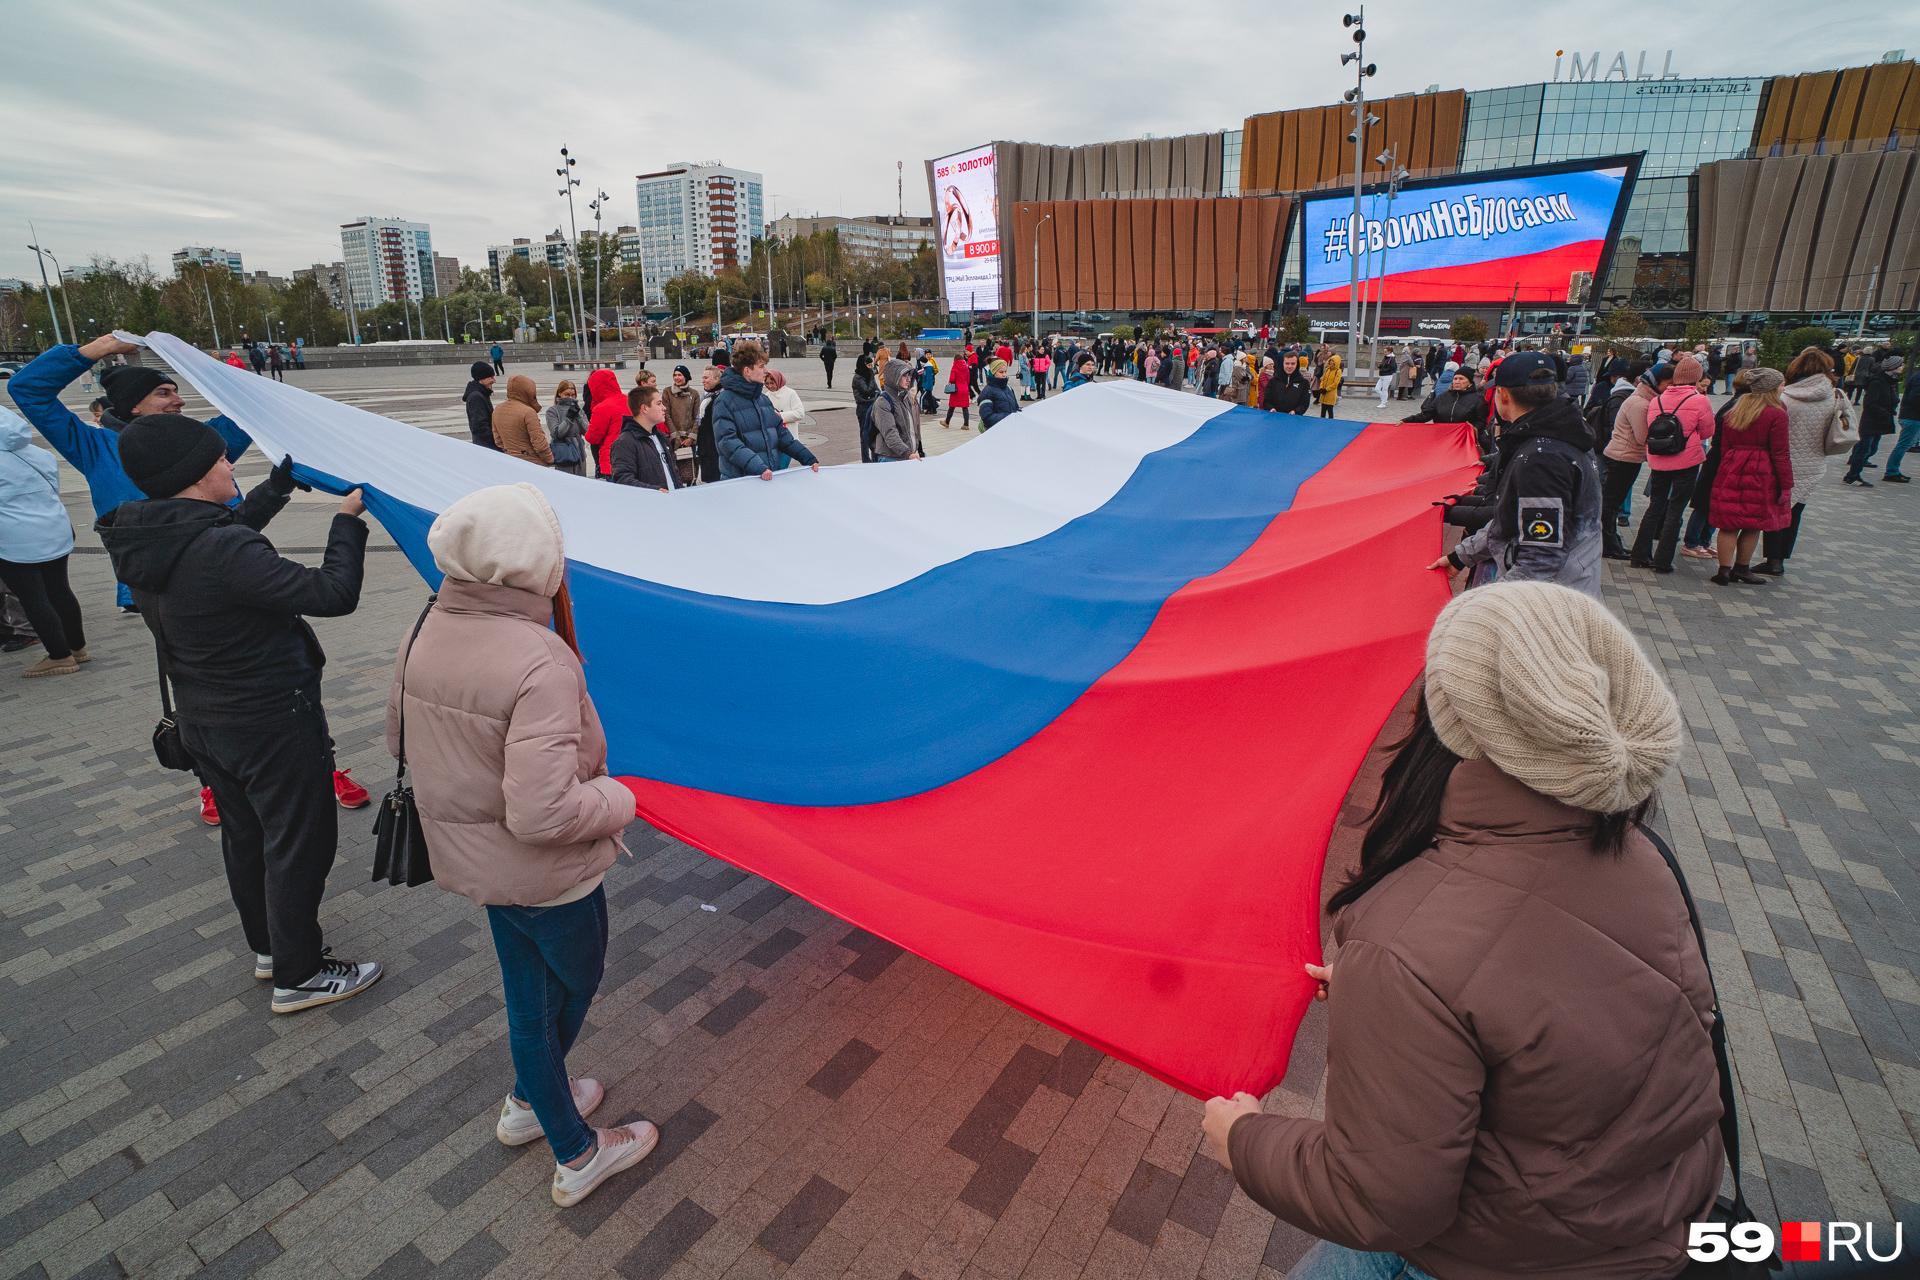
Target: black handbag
point(168, 749)
point(399, 845)
point(1725, 1211)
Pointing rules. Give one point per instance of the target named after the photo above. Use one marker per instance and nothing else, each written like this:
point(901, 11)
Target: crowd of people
point(1540, 737)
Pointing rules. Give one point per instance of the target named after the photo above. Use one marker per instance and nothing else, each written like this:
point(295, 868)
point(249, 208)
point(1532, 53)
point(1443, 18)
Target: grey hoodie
point(896, 415)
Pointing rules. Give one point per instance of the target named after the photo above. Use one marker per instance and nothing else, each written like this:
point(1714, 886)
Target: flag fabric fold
point(1069, 711)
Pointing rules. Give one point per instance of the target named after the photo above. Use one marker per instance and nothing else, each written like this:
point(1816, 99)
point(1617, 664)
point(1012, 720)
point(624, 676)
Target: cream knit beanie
point(1549, 686)
point(506, 535)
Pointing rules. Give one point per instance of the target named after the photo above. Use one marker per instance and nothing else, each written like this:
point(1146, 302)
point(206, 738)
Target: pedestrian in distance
point(785, 399)
point(478, 399)
point(277, 362)
point(36, 537)
point(1814, 406)
point(606, 411)
point(509, 771)
point(1506, 867)
point(706, 454)
point(1753, 485)
point(1546, 521)
point(747, 431)
point(1383, 376)
point(829, 355)
point(1679, 425)
point(960, 392)
point(1907, 414)
point(1879, 402)
point(866, 389)
point(643, 451)
point(896, 416)
point(567, 429)
point(257, 358)
point(517, 429)
point(228, 616)
point(234, 359)
point(495, 354)
point(997, 402)
point(683, 421)
point(1331, 372)
point(1626, 451)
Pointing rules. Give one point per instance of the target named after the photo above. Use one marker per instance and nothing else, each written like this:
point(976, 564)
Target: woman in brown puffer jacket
point(509, 770)
point(1520, 1073)
point(517, 430)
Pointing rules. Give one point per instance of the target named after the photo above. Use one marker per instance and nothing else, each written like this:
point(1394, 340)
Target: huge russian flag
point(1069, 711)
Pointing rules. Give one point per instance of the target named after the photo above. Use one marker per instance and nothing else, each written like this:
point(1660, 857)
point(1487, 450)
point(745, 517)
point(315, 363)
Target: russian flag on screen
point(1069, 711)
point(1470, 241)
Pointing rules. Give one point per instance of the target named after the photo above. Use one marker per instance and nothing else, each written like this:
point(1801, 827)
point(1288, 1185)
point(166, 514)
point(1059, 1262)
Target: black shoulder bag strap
point(1729, 1118)
point(400, 774)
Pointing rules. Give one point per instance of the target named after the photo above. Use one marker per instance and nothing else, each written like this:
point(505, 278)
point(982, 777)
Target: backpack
point(1666, 436)
point(1601, 413)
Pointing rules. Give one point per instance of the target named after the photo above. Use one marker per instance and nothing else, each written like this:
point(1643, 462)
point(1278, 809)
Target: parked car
point(10, 367)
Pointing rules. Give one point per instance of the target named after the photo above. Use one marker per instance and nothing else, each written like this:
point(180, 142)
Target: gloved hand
point(281, 478)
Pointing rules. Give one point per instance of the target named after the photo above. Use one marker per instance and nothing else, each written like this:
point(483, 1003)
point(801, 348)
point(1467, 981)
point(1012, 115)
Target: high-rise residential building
point(330, 276)
point(446, 275)
point(207, 257)
point(629, 238)
point(553, 250)
point(387, 260)
point(695, 217)
point(879, 237)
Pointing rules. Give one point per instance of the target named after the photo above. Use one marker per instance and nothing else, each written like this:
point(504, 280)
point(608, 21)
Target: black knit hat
point(164, 453)
point(127, 385)
point(480, 369)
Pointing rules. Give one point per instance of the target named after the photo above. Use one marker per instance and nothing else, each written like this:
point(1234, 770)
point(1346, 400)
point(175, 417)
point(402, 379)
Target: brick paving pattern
point(829, 1104)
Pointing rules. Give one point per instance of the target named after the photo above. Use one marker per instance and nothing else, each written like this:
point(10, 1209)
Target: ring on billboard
point(1474, 238)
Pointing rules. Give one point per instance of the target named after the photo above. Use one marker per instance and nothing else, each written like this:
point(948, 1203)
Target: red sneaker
point(349, 793)
point(209, 811)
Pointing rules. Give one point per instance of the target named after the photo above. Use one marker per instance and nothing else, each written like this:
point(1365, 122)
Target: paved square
point(829, 1104)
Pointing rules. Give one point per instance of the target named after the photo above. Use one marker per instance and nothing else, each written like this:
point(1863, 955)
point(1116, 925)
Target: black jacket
point(480, 414)
point(706, 455)
point(1910, 398)
point(1878, 402)
point(637, 462)
point(1287, 393)
point(997, 402)
point(225, 607)
point(1469, 406)
point(1546, 520)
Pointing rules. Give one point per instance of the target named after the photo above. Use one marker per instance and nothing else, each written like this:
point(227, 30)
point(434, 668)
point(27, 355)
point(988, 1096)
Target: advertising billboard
point(966, 210)
point(1546, 230)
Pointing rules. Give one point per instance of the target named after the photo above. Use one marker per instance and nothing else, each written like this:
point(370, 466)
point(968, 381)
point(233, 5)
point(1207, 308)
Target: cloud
point(139, 128)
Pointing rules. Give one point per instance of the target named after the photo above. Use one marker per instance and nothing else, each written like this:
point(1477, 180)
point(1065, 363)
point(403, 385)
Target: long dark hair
point(1407, 815)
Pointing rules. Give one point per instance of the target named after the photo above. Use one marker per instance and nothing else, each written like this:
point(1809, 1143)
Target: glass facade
point(1680, 124)
point(1230, 162)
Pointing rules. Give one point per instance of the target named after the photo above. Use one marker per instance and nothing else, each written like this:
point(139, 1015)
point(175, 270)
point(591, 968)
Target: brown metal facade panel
point(1159, 166)
point(1449, 128)
point(1160, 266)
point(1397, 133)
point(1770, 124)
point(1066, 247)
point(1906, 116)
point(1773, 193)
point(1843, 117)
point(1224, 245)
point(1128, 156)
point(1849, 188)
point(1794, 276)
point(1722, 226)
point(1050, 272)
point(1100, 251)
point(1084, 250)
point(1812, 94)
point(1180, 249)
point(1880, 98)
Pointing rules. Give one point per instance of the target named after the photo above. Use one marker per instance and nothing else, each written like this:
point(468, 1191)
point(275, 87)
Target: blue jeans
point(1909, 436)
point(1332, 1262)
point(551, 959)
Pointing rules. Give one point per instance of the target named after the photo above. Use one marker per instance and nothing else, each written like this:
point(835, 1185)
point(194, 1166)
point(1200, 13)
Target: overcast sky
point(136, 128)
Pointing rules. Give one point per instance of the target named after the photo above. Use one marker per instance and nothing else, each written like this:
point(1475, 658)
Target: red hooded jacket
point(603, 424)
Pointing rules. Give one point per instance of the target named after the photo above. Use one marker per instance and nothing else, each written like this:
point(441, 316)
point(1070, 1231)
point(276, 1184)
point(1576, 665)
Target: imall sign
point(1588, 68)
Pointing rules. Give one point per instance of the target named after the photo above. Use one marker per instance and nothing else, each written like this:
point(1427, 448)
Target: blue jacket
point(33, 521)
point(997, 402)
point(1076, 379)
point(95, 451)
point(747, 431)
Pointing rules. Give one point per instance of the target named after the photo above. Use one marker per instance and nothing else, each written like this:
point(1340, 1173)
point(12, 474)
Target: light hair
point(1750, 406)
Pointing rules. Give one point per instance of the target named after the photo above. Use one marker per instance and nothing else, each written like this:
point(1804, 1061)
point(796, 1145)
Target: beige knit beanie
point(1549, 686)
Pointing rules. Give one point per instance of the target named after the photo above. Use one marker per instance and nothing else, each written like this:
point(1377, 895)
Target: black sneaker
point(337, 980)
point(18, 643)
point(1897, 479)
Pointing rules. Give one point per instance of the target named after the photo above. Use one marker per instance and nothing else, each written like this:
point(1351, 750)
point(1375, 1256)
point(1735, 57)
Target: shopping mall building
point(1756, 199)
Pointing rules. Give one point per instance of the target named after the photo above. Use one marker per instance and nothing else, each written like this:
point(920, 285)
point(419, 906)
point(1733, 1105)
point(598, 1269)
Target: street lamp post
point(1391, 159)
point(567, 183)
point(1036, 274)
point(599, 252)
point(47, 289)
point(1361, 120)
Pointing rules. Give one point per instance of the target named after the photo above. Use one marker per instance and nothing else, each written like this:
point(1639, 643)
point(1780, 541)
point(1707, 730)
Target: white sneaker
point(617, 1149)
point(518, 1125)
point(337, 980)
point(262, 966)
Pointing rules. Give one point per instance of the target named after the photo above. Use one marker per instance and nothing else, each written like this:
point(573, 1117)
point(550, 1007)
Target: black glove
point(281, 478)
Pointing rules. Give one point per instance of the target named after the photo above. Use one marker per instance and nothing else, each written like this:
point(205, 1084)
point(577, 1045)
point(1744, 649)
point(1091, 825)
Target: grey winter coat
point(896, 416)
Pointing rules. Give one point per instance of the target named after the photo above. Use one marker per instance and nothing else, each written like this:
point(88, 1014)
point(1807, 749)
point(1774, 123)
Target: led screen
point(966, 211)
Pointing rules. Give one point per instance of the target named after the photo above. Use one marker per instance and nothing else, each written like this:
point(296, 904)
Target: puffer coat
point(747, 431)
point(1812, 404)
point(1753, 487)
point(517, 430)
point(1520, 1074)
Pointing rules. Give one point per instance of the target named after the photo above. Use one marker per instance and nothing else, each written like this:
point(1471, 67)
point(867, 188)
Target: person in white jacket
point(785, 399)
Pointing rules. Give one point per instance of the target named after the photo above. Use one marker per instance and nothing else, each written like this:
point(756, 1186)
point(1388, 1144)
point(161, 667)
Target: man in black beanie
point(225, 609)
point(94, 450)
point(479, 399)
